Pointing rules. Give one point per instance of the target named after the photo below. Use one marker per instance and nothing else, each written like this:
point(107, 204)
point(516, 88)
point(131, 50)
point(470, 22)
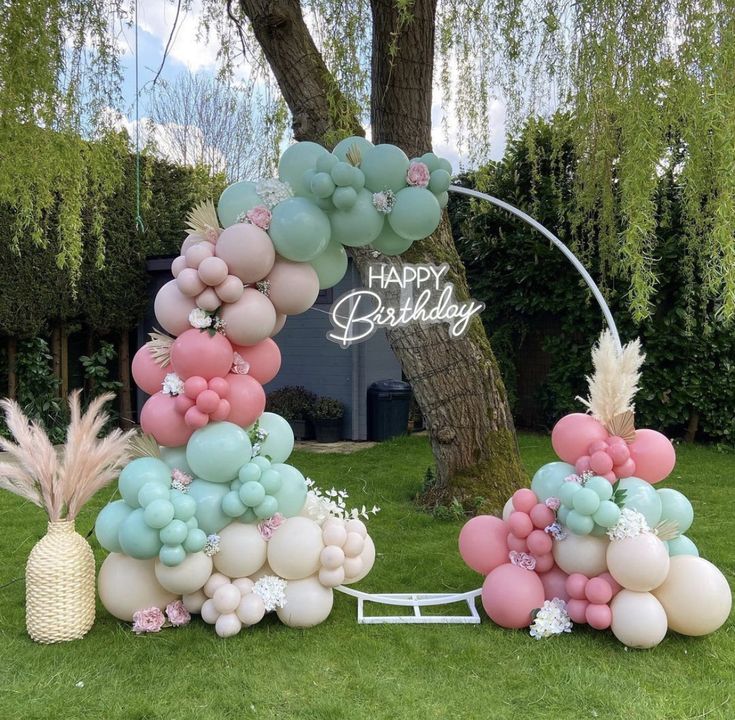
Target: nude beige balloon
point(247, 250)
point(172, 308)
point(186, 578)
point(242, 550)
point(695, 595)
point(584, 554)
point(194, 601)
point(126, 585)
point(638, 563)
point(280, 322)
point(294, 286)
point(308, 603)
point(295, 548)
point(250, 319)
point(367, 556)
point(638, 619)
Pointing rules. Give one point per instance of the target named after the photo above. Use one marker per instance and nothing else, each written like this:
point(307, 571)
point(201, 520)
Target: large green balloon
point(139, 472)
point(235, 200)
point(642, 496)
point(363, 145)
point(279, 443)
point(137, 539)
point(682, 545)
point(331, 265)
point(299, 229)
point(175, 458)
point(292, 494)
point(295, 161)
point(359, 225)
point(385, 168)
point(549, 478)
point(217, 451)
point(676, 507)
point(389, 243)
point(108, 524)
point(208, 496)
point(416, 213)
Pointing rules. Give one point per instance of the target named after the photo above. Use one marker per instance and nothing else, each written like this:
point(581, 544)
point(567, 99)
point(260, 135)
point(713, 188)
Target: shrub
point(326, 408)
point(292, 402)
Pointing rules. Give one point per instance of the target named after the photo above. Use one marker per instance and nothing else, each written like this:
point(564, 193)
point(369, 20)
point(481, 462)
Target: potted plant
point(294, 403)
point(327, 415)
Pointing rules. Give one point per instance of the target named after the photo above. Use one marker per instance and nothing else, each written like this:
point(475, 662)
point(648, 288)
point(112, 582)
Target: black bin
point(388, 406)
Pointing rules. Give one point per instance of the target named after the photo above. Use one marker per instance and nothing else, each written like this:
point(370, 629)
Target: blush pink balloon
point(541, 516)
point(220, 386)
point(619, 453)
point(294, 286)
point(246, 398)
point(615, 586)
point(230, 289)
point(159, 418)
point(539, 543)
point(182, 403)
point(576, 609)
point(576, 583)
point(178, 264)
point(520, 524)
point(194, 385)
point(147, 373)
point(626, 469)
point(195, 418)
point(601, 462)
point(250, 319)
point(190, 241)
point(212, 270)
point(598, 616)
point(223, 410)
point(198, 252)
point(208, 401)
point(582, 465)
point(544, 562)
point(510, 594)
point(208, 300)
point(573, 434)
point(610, 477)
point(189, 283)
point(264, 358)
point(482, 543)
point(200, 353)
point(247, 250)
point(597, 446)
point(598, 591)
point(172, 309)
point(516, 543)
point(653, 454)
point(524, 499)
point(554, 582)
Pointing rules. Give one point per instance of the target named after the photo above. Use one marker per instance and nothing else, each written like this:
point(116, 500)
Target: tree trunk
point(12, 368)
point(123, 364)
point(457, 382)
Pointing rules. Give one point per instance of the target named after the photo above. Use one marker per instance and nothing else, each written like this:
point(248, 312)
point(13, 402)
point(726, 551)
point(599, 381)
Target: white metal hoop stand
point(418, 600)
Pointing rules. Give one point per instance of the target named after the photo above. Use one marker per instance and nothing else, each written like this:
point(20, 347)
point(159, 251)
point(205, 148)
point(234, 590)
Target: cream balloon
point(695, 595)
point(189, 282)
point(209, 612)
point(584, 554)
point(178, 264)
point(638, 563)
point(508, 508)
point(208, 300)
point(295, 547)
point(172, 308)
point(248, 252)
point(250, 319)
point(332, 578)
point(190, 241)
point(356, 526)
point(230, 289)
point(197, 253)
point(193, 601)
point(308, 603)
point(244, 585)
point(354, 545)
point(280, 322)
point(242, 550)
point(368, 560)
point(251, 609)
point(334, 532)
point(262, 571)
point(638, 619)
point(226, 599)
point(126, 585)
point(212, 270)
point(216, 581)
point(186, 578)
point(227, 625)
point(294, 286)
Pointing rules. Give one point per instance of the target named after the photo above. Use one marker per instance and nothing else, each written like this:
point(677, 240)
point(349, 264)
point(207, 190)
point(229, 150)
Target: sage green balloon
point(642, 496)
point(331, 265)
point(172, 555)
point(139, 472)
point(325, 163)
point(184, 505)
point(174, 533)
point(385, 168)
point(443, 199)
point(159, 513)
point(299, 229)
point(279, 443)
point(430, 160)
point(235, 200)
point(208, 496)
point(175, 458)
point(292, 494)
point(232, 505)
point(444, 164)
point(217, 451)
point(675, 507)
point(390, 243)
point(343, 146)
point(344, 198)
point(295, 161)
point(416, 213)
point(579, 524)
point(322, 185)
point(195, 540)
point(359, 225)
point(108, 524)
point(682, 545)
point(137, 539)
point(549, 478)
point(607, 514)
point(439, 181)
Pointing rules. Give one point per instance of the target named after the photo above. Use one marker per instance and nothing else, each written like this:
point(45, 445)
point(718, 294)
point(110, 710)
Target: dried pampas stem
point(614, 383)
point(667, 530)
point(353, 155)
point(144, 445)
point(202, 220)
point(159, 346)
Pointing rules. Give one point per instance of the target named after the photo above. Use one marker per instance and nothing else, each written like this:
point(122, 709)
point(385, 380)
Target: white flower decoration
point(199, 318)
point(272, 191)
point(172, 384)
point(631, 524)
point(551, 619)
point(272, 591)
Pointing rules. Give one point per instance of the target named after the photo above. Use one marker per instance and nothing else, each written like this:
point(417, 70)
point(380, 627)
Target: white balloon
point(638, 619)
point(215, 581)
point(295, 547)
point(508, 508)
point(187, 577)
point(226, 599)
point(251, 609)
point(194, 601)
point(332, 578)
point(354, 544)
point(308, 603)
point(334, 532)
point(209, 612)
point(227, 625)
point(242, 550)
point(368, 560)
point(586, 554)
point(357, 526)
point(244, 585)
point(638, 563)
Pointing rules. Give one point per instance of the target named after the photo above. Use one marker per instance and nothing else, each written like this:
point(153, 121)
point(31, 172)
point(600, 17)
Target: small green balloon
point(342, 174)
point(607, 514)
point(561, 514)
point(344, 198)
point(172, 555)
point(549, 478)
point(430, 160)
point(108, 523)
point(415, 214)
point(267, 508)
point(137, 539)
point(325, 163)
point(444, 164)
point(271, 481)
point(158, 513)
point(249, 516)
point(390, 243)
point(354, 141)
point(192, 523)
point(184, 505)
point(601, 486)
point(174, 533)
point(195, 541)
point(217, 451)
point(641, 496)
point(567, 492)
point(385, 168)
point(292, 494)
point(175, 458)
point(443, 199)
point(331, 265)
point(586, 501)
point(299, 229)
point(295, 161)
point(439, 181)
point(359, 225)
point(252, 494)
point(675, 507)
point(358, 179)
point(236, 200)
point(208, 497)
point(262, 462)
point(232, 505)
point(279, 443)
point(152, 491)
point(579, 524)
point(598, 530)
point(139, 472)
point(249, 473)
point(325, 204)
point(322, 185)
point(682, 545)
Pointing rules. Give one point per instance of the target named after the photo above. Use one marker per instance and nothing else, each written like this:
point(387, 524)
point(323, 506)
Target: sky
point(188, 52)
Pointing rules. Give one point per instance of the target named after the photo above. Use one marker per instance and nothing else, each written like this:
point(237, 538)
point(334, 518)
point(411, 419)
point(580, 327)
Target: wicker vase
point(60, 595)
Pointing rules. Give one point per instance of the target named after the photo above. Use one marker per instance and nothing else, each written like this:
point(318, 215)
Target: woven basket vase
point(60, 595)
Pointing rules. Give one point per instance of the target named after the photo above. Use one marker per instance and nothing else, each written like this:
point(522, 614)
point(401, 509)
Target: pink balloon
point(576, 584)
point(516, 543)
point(246, 398)
point(541, 516)
point(178, 264)
point(554, 582)
point(223, 410)
point(220, 386)
point(598, 616)
point(250, 319)
point(597, 446)
point(230, 289)
point(182, 403)
point(160, 418)
point(524, 499)
point(208, 401)
point(539, 543)
point(610, 477)
point(615, 586)
point(195, 418)
point(601, 462)
point(247, 250)
point(197, 352)
point(264, 358)
point(198, 252)
point(598, 591)
point(212, 270)
point(626, 469)
point(172, 309)
point(573, 434)
point(520, 524)
point(619, 453)
point(582, 465)
point(189, 283)
point(510, 594)
point(653, 454)
point(576, 609)
point(280, 322)
point(294, 286)
point(482, 543)
point(208, 300)
point(194, 385)
point(147, 373)
point(544, 562)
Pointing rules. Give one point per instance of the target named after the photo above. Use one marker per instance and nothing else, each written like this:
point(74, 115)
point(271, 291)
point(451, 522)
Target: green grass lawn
point(344, 670)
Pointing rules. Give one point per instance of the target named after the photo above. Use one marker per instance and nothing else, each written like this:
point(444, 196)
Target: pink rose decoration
point(240, 366)
point(418, 174)
point(260, 216)
point(148, 620)
point(177, 614)
point(524, 560)
point(553, 503)
point(266, 528)
point(180, 477)
point(212, 235)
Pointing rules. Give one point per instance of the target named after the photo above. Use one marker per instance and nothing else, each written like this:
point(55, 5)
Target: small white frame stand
point(418, 600)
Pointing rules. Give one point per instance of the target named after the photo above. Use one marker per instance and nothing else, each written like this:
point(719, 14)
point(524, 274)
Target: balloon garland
point(212, 519)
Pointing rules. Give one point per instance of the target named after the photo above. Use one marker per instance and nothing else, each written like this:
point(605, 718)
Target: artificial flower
point(418, 174)
point(266, 528)
point(521, 559)
point(551, 619)
point(149, 620)
point(199, 318)
point(177, 614)
point(172, 385)
point(260, 216)
point(272, 591)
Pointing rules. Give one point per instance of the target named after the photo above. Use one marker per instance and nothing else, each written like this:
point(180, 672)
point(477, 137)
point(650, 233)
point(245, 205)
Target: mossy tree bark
point(457, 382)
